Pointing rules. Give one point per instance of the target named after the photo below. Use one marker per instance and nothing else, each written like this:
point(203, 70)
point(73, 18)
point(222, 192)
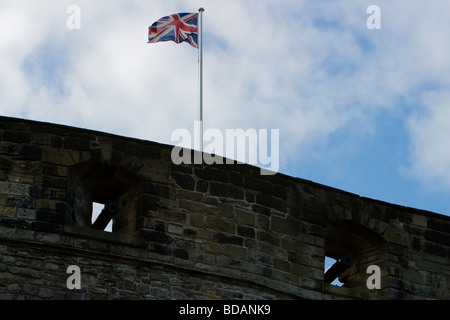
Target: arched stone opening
point(115, 187)
point(346, 238)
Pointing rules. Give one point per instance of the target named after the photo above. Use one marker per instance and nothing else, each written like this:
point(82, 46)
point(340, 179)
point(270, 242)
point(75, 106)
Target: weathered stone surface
point(156, 236)
point(194, 231)
point(185, 181)
point(248, 232)
point(228, 239)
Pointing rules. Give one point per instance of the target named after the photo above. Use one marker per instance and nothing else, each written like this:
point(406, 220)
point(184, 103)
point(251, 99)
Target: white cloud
point(311, 69)
point(430, 145)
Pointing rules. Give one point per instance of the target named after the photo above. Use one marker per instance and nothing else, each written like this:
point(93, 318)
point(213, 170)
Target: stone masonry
point(195, 231)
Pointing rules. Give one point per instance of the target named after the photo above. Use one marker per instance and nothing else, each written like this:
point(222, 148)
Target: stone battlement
point(195, 231)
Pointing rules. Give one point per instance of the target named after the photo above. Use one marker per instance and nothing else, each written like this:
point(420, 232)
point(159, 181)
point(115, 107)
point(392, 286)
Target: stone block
point(44, 139)
point(194, 206)
point(174, 216)
point(181, 253)
point(236, 178)
point(235, 252)
point(250, 196)
point(160, 248)
point(258, 184)
point(202, 186)
point(154, 175)
point(396, 236)
point(261, 209)
point(226, 210)
point(419, 220)
point(160, 225)
point(52, 217)
point(21, 202)
point(16, 136)
point(244, 217)
point(190, 232)
point(220, 224)
point(27, 214)
point(280, 192)
point(30, 152)
point(439, 225)
point(60, 156)
point(214, 247)
point(11, 188)
point(77, 144)
point(197, 219)
point(182, 168)
point(262, 222)
point(45, 227)
point(282, 265)
point(205, 234)
point(438, 237)
point(218, 189)
point(124, 145)
point(156, 189)
point(21, 178)
point(150, 203)
point(247, 232)
point(212, 174)
point(46, 293)
point(148, 150)
point(185, 181)
point(175, 229)
point(434, 249)
point(9, 148)
point(14, 223)
point(156, 236)
point(30, 289)
point(189, 195)
point(228, 239)
point(9, 212)
point(5, 163)
point(225, 190)
point(284, 226)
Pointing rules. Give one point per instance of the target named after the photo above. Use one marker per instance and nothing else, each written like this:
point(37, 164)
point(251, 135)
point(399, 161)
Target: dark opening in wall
point(329, 262)
point(357, 246)
point(97, 210)
point(113, 189)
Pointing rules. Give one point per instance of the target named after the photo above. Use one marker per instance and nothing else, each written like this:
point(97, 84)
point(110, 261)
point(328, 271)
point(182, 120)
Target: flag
point(176, 27)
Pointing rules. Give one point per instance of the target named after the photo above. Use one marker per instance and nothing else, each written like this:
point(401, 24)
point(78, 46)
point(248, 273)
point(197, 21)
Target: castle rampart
point(195, 231)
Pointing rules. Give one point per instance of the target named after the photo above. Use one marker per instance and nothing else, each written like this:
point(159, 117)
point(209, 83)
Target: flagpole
point(200, 71)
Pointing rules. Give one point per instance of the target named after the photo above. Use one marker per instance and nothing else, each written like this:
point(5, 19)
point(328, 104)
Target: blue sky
point(366, 111)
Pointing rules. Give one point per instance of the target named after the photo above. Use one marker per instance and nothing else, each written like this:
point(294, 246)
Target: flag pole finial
point(201, 9)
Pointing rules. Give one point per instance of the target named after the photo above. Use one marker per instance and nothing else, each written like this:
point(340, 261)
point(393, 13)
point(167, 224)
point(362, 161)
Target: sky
point(359, 109)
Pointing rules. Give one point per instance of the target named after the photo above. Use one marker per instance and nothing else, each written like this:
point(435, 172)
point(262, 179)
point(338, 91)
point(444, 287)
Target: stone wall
point(195, 231)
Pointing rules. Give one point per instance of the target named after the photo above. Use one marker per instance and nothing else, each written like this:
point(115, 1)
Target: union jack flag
point(176, 27)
